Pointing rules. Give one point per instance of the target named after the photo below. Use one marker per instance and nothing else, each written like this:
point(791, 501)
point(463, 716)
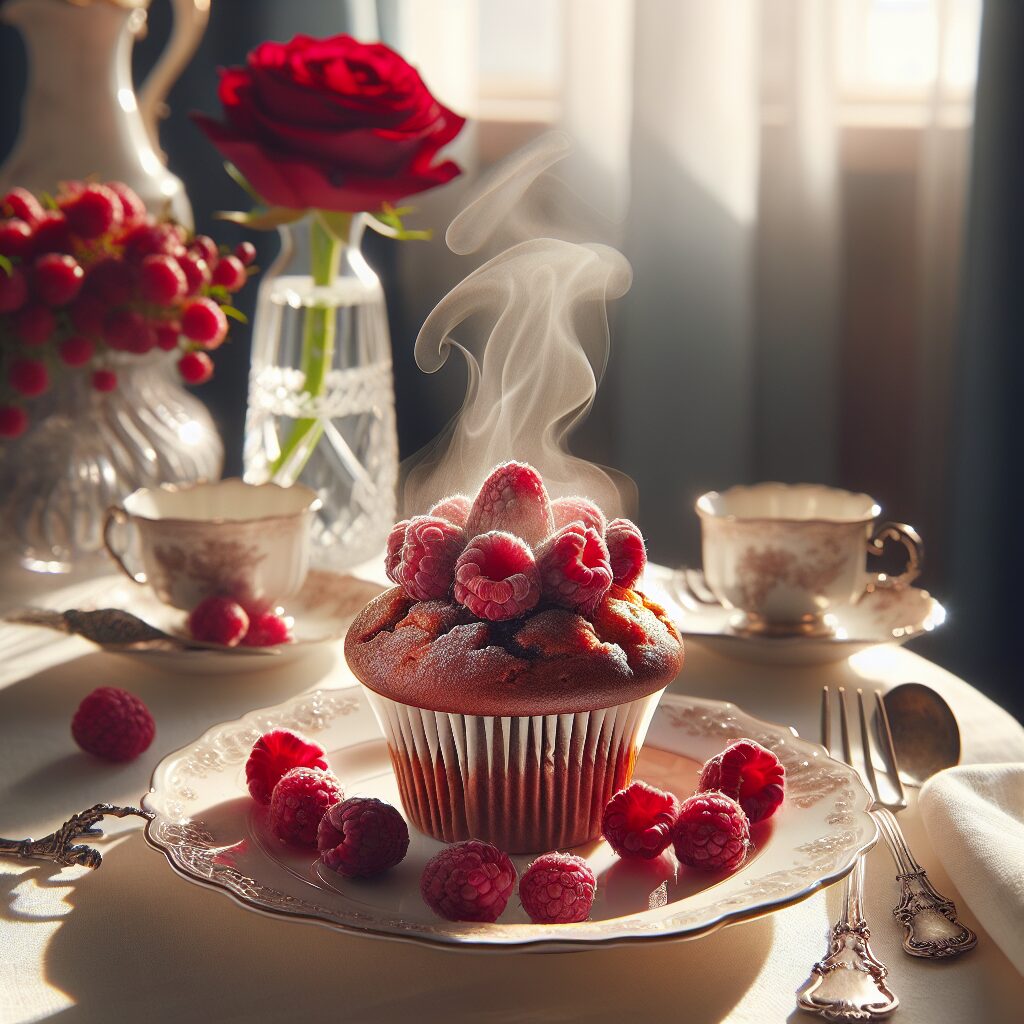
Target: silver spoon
point(924, 732)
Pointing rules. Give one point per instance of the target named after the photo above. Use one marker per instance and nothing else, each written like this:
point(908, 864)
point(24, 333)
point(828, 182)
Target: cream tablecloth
point(135, 942)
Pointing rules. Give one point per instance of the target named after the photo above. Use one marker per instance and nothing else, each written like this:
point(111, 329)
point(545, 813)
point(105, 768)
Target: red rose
point(332, 124)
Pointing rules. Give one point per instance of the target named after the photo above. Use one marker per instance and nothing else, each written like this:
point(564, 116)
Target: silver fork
point(931, 927)
point(848, 984)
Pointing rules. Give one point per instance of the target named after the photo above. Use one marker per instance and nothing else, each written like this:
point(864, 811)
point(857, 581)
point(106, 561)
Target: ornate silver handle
point(931, 927)
point(849, 983)
point(59, 846)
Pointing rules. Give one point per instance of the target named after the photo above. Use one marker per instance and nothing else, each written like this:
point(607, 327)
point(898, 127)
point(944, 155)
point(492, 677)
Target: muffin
point(513, 668)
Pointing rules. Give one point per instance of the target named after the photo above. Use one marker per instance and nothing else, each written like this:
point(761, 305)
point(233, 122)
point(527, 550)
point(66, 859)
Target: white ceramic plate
point(213, 834)
point(319, 613)
point(880, 617)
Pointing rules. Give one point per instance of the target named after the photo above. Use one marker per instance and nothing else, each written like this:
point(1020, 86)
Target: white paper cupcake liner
point(527, 784)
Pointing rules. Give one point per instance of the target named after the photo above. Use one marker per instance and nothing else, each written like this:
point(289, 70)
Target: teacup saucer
point(880, 617)
point(318, 614)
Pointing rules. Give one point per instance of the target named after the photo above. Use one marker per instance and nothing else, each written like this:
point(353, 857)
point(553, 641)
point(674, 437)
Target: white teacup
point(187, 542)
point(785, 554)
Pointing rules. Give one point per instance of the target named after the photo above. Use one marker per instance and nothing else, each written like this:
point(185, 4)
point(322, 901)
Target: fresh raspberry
point(13, 290)
point(558, 888)
point(13, 421)
point(512, 499)
point(218, 620)
point(29, 377)
point(51, 233)
point(15, 237)
point(196, 271)
point(95, 211)
point(206, 247)
point(362, 837)
point(574, 567)
point(19, 202)
point(393, 553)
point(133, 209)
point(57, 278)
point(153, 238)
point(455, 508)
point(577, 510)
point(246, 252)
point(266, 630)
point(168, 335)
point(299, 801)
point(161, 279)
point(195, 367)
point(230, 273)
point(104, 380)
point(113, 724)
point(76, 350)
point(203, 321)
point(627, 551)
point(711, 833)
point(638, 820)
point(469, 881)
point(110, 280)
point(275, 753)
point(34, 324)
point(429, 552)
point(496, 577)
point(750, 774)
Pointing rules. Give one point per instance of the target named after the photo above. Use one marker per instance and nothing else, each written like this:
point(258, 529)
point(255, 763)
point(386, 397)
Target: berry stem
point(318, 335)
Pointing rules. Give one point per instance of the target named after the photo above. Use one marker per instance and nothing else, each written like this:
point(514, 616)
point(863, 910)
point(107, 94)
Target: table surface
point(133, 940)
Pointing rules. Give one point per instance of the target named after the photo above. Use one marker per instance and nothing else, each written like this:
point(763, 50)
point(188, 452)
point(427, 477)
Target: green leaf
point(337, 222)
point(388, 221)
point(235, 314)
point(48, 201)
point(264, 219)
point(219, 292)
point(6, 265)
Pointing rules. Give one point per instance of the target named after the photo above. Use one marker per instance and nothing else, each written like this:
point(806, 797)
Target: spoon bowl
point(924, 730)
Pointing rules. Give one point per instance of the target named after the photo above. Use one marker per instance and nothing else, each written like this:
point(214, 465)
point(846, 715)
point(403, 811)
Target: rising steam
point(533, 328)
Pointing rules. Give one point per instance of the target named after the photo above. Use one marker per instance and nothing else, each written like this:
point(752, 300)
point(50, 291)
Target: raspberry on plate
point(750, 774)
point(299, 801)
point(711, 833)
point(558, 888)
point(275, 753)
point(468, 881)
point(219, 620)
point(266, 630)
point(638, 821)
point(113, 724)
point(362, 837)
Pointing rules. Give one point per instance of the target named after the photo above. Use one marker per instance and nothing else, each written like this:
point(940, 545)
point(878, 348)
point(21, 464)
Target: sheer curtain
point(787, 179)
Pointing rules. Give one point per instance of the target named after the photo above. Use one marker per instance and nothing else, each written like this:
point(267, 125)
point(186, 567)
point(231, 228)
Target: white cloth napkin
point(974, 815)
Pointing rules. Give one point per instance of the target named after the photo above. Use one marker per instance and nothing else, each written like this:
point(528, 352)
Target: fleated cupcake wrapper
point(526, 784)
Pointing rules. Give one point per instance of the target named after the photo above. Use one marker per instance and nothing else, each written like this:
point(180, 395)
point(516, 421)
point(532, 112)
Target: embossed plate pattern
point(213, 834)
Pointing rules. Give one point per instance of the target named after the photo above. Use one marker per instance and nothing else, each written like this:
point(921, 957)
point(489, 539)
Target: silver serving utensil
point(924, 732)
point(849, 983)
point(59, 846)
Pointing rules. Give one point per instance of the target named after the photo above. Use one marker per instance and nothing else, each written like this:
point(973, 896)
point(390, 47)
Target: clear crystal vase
point(321, 392)
point(86, 451)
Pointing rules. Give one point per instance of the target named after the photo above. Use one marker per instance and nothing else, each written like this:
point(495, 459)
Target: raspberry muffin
point(513, 668)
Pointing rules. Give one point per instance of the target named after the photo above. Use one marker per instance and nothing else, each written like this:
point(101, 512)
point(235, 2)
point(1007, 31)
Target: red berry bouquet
point(324, 129)
point(90, 273)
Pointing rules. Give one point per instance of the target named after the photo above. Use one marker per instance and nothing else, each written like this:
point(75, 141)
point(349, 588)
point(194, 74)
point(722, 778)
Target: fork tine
point(890, 751)
point(826, 719)
point(865, 742)
point(844, 728)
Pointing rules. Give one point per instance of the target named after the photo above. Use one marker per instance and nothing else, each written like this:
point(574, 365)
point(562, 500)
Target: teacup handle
point(911, 540)
point(118, 520)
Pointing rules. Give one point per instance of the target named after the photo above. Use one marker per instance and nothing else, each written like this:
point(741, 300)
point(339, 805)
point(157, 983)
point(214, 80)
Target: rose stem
point(318, 332)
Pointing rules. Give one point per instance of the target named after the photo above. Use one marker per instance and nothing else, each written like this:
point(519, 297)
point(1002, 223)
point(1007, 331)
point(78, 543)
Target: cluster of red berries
point(223, 620)
point(709, 831)
point(511, 548)
point(91, 273)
